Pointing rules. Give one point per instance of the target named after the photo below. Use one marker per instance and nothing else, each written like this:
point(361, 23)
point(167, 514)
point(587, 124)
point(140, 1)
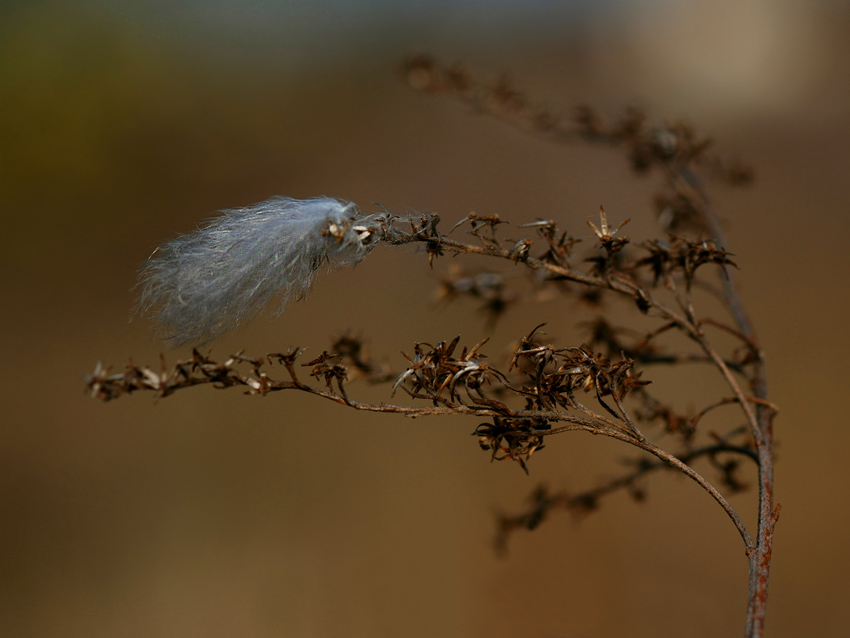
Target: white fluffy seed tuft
point(202, 284)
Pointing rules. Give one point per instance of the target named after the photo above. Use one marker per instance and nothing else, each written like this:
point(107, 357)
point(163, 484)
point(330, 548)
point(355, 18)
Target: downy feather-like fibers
point(204, 283)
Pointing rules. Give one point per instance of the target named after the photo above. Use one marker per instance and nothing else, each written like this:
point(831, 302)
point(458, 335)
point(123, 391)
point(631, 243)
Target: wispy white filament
point(204, 283)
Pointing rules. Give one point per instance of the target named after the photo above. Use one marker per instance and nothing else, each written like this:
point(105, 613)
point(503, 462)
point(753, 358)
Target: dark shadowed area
point(211, 513)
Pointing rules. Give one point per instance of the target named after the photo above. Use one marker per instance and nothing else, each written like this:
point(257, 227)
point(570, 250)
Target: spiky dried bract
point(202, 284)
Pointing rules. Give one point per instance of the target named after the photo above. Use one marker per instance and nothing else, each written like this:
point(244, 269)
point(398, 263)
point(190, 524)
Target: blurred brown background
point(215, 514)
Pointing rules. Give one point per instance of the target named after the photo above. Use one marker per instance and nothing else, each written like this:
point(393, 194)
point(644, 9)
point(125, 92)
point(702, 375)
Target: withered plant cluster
point(597, 386)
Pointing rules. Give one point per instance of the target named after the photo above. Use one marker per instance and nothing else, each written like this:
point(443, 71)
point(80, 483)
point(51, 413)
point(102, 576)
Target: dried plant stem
point(107, 386)
point(688, 327)
point(686, 469)
point(542, 378)
point(758, 418)
point(508, 105)
point(587, 500)
point(760, 421)
point(759, 552)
